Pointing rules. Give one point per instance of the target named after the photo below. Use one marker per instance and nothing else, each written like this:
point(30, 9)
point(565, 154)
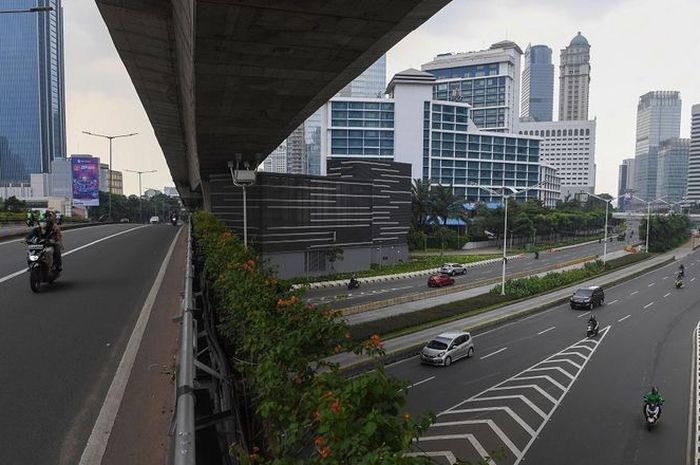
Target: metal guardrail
point(200, 369)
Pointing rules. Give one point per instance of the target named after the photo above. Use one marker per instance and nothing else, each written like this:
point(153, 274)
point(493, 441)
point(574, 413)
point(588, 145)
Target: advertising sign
point(86, 181)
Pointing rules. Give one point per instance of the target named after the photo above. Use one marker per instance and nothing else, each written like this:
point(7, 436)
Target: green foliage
point(275, 341)
point(13, 205)
point(129, 207)
point(665, 232)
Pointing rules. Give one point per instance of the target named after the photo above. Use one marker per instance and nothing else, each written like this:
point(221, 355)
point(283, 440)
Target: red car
point(439, 280)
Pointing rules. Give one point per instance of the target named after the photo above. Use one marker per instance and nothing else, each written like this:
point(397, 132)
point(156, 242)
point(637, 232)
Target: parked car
point(452, 269)
point(154, 220)
point(439, 280)
point(447, 348)
point(588, 297)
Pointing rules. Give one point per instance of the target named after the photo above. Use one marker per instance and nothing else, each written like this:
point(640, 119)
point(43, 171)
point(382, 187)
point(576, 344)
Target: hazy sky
point(636, 46)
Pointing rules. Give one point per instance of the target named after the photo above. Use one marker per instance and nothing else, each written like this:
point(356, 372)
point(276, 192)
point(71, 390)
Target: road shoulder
point(140, 432)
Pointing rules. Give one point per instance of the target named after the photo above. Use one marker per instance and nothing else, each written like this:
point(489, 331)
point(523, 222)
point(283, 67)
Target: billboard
point(86, 181)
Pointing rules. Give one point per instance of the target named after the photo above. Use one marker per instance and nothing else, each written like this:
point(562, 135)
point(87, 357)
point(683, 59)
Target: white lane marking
point(546, 330)
point(521, 397)
point(667, 294)
point(398, 362)
point(583, 314)
point(494, 427)
point(421, 382)
point(650, 284)
point(494, 353)
point(22, 271)
point(695, 377)
point(97, 442)
point(537, 388)
point(548, 378)
point(610, 303)
point(692, 279)
point(648, 305)
point(449, 456)
point(624, 318)
point(560, 370)
point(664, 278)
point(508, 410)
point(634, 292)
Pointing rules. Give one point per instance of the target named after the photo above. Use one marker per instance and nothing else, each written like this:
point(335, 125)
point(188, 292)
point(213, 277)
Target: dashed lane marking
point(616, 300)
point(692, 279)
point(635, 292)
point(650, 284)
point(509, 415)
point(624, 318)
point(665, 277)
point(583, 314)
point(667, 294)
point(494, 353)
point(546, 330)
point(421, 382)
point(648, 305)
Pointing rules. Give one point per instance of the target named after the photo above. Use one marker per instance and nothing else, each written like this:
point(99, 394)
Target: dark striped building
point(362, 207)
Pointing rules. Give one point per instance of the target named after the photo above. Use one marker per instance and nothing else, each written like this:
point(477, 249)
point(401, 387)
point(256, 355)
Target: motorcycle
point(40, 263)
point(173, 220)
point(353, 284)
point(592, 329)
point(679, 283)
point(652, 413)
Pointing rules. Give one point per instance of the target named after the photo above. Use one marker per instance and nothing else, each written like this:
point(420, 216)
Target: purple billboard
point(86, 181)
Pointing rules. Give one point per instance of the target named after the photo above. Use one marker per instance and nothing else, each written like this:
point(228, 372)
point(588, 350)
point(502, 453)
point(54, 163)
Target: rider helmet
point(655, 390)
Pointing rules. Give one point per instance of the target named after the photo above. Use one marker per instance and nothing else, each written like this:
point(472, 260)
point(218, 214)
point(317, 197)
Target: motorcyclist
point(593, 322)
point(48, 230)
point(679, 279)
point(653, 396)
point(681, 270)
point(353, 280)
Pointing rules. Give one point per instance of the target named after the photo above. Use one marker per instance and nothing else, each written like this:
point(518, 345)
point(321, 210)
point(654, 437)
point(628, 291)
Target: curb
point(410, 350)
point(393, 277)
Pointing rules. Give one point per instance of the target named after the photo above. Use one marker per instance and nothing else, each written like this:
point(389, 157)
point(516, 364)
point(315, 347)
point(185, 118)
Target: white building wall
point(693, 191)
point(409, 101)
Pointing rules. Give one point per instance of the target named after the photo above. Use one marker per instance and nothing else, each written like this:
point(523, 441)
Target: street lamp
point(605, 236)
point(109, 172)
point(648, 202)
point(140, 194)
point(505, 220)
point(242, 178)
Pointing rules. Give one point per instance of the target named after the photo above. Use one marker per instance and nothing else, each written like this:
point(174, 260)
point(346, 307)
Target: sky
point(636, 46)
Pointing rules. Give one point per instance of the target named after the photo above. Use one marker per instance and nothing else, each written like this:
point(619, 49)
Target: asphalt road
point(59, 349)
point(341, 297)
point(583, 405)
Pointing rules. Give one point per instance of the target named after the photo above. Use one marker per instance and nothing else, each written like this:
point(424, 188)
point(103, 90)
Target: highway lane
point(340, 297)
point(646, 342)
point(13, 252)
point(59, 349)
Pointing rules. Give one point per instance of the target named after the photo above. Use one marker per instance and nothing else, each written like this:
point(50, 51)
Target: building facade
point(371, 83)
point(362, 207)
point(658, 119)
point(672, 172)
point(569, 147)
point(32, 95)
point(574, 79)
point(693, 190)
point(488, 80)
point(625, 177)
point(537, 84)
point(437, 139)
point(276, 162)
point(111, 180)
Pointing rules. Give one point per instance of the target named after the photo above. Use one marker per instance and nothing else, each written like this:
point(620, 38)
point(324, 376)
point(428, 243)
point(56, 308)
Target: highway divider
point(458, 288)
point(407, 345)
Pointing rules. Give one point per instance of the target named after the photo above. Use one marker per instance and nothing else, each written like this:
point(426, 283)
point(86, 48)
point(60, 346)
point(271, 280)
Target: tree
point(13, 204)
point(334, 254)
point(421, 203)
point(445, 203)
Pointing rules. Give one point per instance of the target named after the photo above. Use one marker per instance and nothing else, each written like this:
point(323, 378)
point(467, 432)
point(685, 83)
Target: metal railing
point(200, 369)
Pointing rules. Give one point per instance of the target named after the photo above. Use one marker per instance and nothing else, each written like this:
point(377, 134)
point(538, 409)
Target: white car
point(452, 269)
point(154, 220)
point(447, 348)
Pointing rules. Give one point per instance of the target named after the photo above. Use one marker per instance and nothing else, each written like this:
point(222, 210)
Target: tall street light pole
point(605, 236)
point(648, 202)
point(505, 222)
point(140, 192)
point(109, 172)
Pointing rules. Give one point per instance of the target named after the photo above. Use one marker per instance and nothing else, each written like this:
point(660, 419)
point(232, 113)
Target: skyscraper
point(658, 119)
point(625, 176)
point(32, 96)
point(693, 192)
point(488, 80)
point(574, 79)
point(672, 170)
point(371, 83)
point(538, 84)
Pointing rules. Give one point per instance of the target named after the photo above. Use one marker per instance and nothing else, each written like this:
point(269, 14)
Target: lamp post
point(242, 178)
point(648, 202)
point(505, 221)
point(140, 194)
point(109, 172)
point(605, 235)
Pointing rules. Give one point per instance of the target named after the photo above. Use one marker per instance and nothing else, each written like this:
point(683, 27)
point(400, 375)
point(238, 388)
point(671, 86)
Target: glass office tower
point(32, 95)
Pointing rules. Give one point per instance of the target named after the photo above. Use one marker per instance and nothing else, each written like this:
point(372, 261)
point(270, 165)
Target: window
point(315, 260)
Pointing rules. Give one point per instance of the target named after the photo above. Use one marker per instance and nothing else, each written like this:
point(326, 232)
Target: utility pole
point(140, 192)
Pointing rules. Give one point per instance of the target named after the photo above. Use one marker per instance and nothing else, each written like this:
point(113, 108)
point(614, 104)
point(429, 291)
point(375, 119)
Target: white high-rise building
point(568, 146)
point(658, 119)
point(276, 162)
point(488, 80)
point(693, 191)
point(574, 80)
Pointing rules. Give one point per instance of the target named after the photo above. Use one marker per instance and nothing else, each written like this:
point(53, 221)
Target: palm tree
point(421, 202)
point(446, 204)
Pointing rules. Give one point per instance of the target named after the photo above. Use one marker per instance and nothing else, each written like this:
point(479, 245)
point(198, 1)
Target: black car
point(587, 297)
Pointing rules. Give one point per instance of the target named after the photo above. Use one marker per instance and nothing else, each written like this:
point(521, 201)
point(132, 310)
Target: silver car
point(447, 348)
point(452, 269)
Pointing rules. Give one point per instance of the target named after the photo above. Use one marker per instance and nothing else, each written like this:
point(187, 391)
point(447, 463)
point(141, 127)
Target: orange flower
point(325, 452)
point(337, 349)
point(406, 417)
point(320, 441)
point(335, 407)
point(317, 415)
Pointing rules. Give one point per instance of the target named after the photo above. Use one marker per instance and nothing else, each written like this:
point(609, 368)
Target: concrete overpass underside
point(224, 77)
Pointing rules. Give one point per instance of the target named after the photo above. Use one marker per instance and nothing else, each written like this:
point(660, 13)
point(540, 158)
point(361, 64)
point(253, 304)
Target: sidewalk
point(412, 342)
point(140, 431)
